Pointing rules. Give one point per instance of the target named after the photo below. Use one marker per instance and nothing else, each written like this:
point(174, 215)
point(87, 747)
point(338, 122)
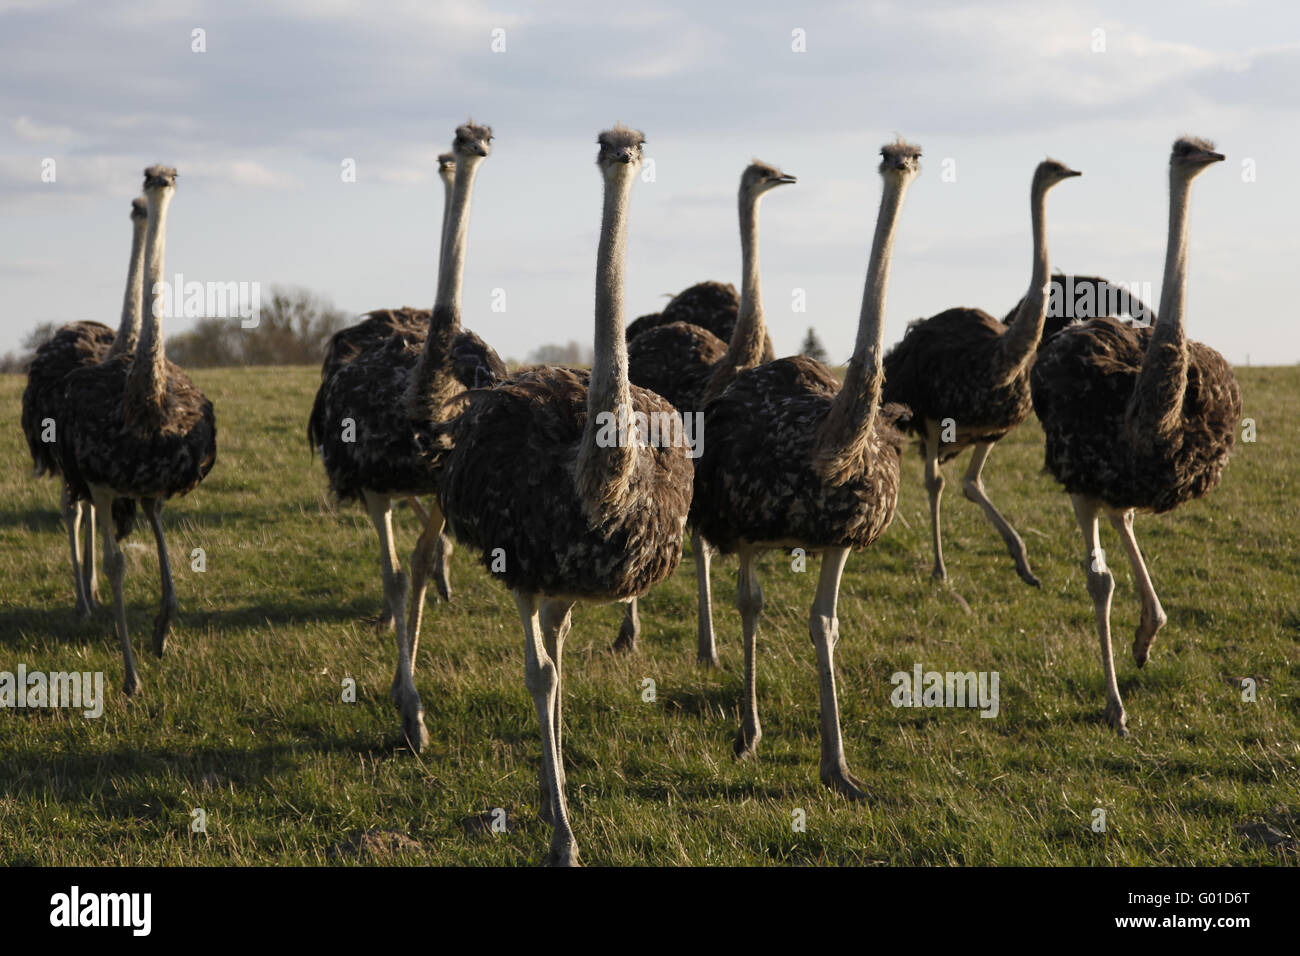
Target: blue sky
point(260, 123)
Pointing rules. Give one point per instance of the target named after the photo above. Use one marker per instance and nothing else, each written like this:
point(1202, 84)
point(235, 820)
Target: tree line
point(293, 329)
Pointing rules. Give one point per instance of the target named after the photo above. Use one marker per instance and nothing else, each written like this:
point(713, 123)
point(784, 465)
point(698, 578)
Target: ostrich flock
point(552, 475)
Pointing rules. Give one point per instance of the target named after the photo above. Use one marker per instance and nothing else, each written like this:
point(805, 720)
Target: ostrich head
point(447, 166)
point(1050, 172)
point(138, 208)
point(620, 150)
point(159, 177)
point(1191, 154)
point(471, 142)
point(759, 177)
point(900, 159)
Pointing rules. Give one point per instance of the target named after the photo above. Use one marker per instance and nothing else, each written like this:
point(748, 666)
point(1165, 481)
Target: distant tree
point(16, 363)
point(812, 346)
point(292, 329)
point(573, 353)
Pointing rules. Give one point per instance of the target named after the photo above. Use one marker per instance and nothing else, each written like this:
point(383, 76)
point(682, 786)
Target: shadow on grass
point(135, 783)
point(61, 625)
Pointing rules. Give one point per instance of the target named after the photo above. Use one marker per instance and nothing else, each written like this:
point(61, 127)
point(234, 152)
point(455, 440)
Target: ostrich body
point(965, 377)
point(712, 306)
point(78, 345)
point(380, 412)
point(474, 359)
point(534, 477)
point(794, 459)
point(140, 430)
point(1137, 419)
point(1081, 298)
point(688, 365)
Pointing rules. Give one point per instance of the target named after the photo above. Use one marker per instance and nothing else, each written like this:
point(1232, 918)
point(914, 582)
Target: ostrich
point(713, 306)
point(377, 327)
point(1137, 419)
point(139, 429)
point(683, 360)
point(1074, 293)
point(965, 377)
point(378, 415)
point(794, 459)
point(74, 346)
point(549, 473)
point(373, 331)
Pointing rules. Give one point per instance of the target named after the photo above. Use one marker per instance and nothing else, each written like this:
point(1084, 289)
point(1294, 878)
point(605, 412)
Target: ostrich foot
point(1148, 625)
point(162, 628)
point(838, 778)
point(707, 661)
point(1116, 717)
point(566, 854)
point(939, 573)
point(414, 732)
point(84, 610)
point(131, 686)
point(1028, 576)
point(746, 743)
point(627, 636)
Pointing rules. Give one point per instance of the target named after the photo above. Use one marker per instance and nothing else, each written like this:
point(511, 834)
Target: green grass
point(244, 716)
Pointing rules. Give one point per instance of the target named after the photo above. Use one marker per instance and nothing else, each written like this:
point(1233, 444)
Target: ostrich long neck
point(843, 434)
point(1156, 407)
point(128, 332)
point(434, 382)
point(146, 380)
point(605, 466)
point(746, 347)
point(1019, 342)
point(745, 350)
point(448, 190)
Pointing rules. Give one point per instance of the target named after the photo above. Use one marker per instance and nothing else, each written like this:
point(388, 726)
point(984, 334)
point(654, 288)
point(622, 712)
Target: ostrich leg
point(824, 628)
point(556, 619)
point(629, 630)
point(973, 488)
point(708, 649)
point(1153, 615)
point(115, 568)
point(72, 521)
point(89, 568)
point(749, 599)
point(422, 558)
point(1100, 587)
point(543, 681)
point(396, 592)
point(442, 550)
point(934, 486)
point(162, 624)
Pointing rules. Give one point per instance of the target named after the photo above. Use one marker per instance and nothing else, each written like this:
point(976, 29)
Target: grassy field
point(244, 716)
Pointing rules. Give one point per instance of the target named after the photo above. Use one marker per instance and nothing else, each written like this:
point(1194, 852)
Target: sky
point(285, 92)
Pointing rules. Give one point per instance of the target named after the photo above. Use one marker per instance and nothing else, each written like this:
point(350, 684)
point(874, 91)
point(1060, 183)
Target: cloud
point(30, 132)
